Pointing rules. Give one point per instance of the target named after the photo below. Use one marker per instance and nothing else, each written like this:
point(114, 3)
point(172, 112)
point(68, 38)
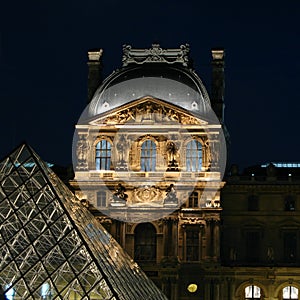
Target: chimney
point(95, 72)
point(218, 83)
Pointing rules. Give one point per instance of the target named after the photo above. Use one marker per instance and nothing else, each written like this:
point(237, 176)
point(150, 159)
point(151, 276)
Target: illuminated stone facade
point(170, 201)
point(240, 242)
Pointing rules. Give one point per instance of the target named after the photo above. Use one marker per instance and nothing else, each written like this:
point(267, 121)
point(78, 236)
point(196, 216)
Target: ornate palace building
point(149, 161)
point(150, 151)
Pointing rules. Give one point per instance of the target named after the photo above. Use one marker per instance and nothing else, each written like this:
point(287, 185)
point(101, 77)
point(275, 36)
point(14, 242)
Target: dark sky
point(43, 54)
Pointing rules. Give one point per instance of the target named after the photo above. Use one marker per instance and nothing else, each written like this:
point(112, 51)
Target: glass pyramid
point(51, 246)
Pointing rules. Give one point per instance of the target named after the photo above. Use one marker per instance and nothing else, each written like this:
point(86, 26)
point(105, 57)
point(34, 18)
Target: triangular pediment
point(148, 109)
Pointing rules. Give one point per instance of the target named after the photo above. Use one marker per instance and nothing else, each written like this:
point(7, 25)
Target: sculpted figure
point(81, 152)
point(171, 151)
point(121, 147)
point(171, 194)
point(119, 193)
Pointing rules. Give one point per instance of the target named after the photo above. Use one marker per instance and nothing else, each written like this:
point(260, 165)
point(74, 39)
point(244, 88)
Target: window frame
point(252, 290)
point(143, 244)
point(101, 199)
point(289, 203)
point(288, 250)
point(103, 162)
point(194, 156)
point(148, 156)
point(253, 203)
point(192, 243)
point(193, 200)
point(289, 287)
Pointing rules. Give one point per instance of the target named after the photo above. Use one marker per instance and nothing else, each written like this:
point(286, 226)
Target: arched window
point(193, 156)
point(145, 242)
point(252, 292)
point(290, 292)
point(148, 156)
point(103, 155)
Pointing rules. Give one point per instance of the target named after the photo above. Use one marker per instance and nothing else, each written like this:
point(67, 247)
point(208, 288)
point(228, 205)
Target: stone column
point(166, 237)
point(207, 290)
point(175, 237)
point(216, 240)
point(208, 239)
point(216, 289)
point(210, 243)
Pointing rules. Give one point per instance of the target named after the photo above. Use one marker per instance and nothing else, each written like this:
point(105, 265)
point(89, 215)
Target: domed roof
point(173, 82)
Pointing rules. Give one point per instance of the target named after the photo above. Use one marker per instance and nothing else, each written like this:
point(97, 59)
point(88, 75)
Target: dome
point(175, 84)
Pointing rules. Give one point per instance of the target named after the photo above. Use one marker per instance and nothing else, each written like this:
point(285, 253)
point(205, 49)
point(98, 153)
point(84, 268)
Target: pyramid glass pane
point(52, 247)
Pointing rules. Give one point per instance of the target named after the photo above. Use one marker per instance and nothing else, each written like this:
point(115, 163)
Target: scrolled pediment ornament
point(156, 54)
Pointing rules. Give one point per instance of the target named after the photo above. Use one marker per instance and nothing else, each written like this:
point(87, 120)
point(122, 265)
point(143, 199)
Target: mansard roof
point(162, 73)
point(162, 112)
point(50, 242)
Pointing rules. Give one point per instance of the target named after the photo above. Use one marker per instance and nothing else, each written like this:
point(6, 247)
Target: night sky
point(43, 55)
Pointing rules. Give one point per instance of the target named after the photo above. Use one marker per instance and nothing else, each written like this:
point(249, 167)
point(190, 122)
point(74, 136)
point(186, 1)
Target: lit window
point(193, 156)
point(192, 244)
point(252, 292)
point(290, 292)
point(10, 293)
point(45, 291)
point(103, 155)
point(101, 199)
point(193, 199)
point(145, 242)
point(148, 156)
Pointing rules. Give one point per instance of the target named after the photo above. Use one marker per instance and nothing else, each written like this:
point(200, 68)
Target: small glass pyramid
point(51, 246)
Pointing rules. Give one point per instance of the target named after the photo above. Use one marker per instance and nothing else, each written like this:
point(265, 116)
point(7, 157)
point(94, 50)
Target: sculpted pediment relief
point(148, 110)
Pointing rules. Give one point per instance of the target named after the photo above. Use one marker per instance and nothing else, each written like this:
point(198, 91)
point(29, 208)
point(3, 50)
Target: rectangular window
point(253, 203)
point(252, 246)
point(148, 156)
point(192, 245)
point(103, 155)
point(290, 246)
point(101, 199)
point(193, 199)
point(289, 203)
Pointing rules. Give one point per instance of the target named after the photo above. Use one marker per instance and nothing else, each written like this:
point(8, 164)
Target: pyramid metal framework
point(51, 246)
